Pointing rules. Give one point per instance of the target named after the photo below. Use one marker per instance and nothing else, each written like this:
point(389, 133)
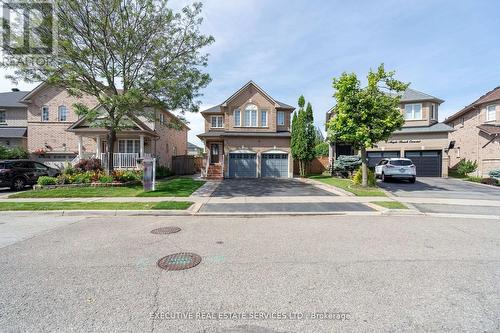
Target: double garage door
point(245, 165)
point(427, 162)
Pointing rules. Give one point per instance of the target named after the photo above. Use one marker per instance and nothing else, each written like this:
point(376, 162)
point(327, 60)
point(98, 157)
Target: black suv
point(16, 174)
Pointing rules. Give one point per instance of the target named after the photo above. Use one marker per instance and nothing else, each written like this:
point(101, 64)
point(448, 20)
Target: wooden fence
point(183, 165)
point(317, 166)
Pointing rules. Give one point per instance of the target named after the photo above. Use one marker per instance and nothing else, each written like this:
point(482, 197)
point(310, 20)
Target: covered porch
point(131, 144)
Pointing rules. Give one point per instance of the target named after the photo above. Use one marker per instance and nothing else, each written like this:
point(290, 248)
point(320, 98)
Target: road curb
point(97, 213)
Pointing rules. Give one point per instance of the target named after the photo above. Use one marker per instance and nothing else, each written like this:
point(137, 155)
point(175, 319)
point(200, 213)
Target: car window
point(40, 166)
point(401, 163)
point(383, 162)
point(20, 164)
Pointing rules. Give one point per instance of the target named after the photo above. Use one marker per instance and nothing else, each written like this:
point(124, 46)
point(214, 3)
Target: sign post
point(149, 174)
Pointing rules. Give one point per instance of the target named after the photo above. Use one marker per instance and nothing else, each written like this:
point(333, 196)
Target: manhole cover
point(166, 230)
point(179, 261)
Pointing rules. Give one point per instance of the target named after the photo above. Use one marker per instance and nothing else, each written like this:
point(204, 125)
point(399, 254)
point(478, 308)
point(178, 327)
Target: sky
point(448, 49)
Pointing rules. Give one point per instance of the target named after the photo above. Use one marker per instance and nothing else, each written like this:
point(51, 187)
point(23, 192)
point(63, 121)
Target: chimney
point(15, 89)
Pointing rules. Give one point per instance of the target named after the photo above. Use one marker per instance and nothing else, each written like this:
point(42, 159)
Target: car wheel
point(412, 180)
point(18, 184)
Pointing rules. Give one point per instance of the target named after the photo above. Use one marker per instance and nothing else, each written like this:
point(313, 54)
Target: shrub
point(344, 165)
point(321, 149)
point(489, 181)
point(82, 178)
point(358, 178)
point(127, 175)
point(163, 172)
point(474, 179)
point(106, 179)
point(69, 170)
point(64, 179)
point(495, 173)
point(46, 180)
point(92, 164)
point(464, 167)
point(12, 153)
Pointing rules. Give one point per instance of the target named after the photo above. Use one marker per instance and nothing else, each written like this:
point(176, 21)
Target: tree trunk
point(111, 138)
point(364, 168)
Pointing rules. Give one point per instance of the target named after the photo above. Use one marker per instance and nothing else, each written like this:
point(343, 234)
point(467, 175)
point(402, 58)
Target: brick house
point(477, 133)
point(13, 122)
point(248, 136)
point(56, 134)
point(422, 138)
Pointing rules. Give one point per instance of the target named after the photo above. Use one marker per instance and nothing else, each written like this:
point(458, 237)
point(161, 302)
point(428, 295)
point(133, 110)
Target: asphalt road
point(375, 273)
point(449, 188)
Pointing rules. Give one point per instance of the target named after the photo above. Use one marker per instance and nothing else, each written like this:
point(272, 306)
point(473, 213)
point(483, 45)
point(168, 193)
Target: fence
point(317, 166)
point(183, 165)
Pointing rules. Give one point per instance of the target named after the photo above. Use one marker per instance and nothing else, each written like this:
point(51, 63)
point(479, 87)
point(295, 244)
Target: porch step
point(214, 172)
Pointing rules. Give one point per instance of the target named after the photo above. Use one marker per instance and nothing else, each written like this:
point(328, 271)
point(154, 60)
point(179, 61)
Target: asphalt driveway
point(449, 188)
point(262, 187)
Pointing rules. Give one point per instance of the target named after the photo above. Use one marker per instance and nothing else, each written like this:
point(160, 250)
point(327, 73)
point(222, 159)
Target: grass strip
point(42, 206)
point(348, 185)
point(390, 204)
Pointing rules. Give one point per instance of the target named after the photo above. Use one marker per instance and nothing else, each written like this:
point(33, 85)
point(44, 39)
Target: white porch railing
point(121, 160)
point(204, 168)
point(85, 156)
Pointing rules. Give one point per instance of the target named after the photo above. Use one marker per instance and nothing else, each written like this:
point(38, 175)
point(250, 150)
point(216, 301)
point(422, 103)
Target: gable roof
point(277, 104)
point(490, 96)
point(12, 99)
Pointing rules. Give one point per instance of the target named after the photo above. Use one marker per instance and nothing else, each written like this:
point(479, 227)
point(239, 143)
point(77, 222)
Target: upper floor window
point(62, 114)
point(45, 113)
point(216, 122)
point(3, 118)
point(433, 112)
point(413, 111)
point(281, 118)
point(263, 118)
point(237, 117)
point(250, 116)
point(491, 113)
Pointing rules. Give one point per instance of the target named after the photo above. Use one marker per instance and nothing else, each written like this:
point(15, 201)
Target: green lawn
point(174, 205)
point(390, 204)
point(348, 185)
point(178, 187)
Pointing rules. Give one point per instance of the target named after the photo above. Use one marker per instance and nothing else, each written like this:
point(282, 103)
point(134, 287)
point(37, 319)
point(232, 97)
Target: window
point(45, 113)
point(40, 167)
point(129, 146)
point(162, 118)
point(250, 116)
point(491, 113)
point(62, 114)
point(433, 111)
point(281, 118)
point(237, 117)
point(413, 111)
point(2, 117)
point(216, 122)
point(263, 118)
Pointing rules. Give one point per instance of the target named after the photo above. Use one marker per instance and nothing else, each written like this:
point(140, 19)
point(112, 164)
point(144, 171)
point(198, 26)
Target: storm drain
point(166, 230)
point(179, 261)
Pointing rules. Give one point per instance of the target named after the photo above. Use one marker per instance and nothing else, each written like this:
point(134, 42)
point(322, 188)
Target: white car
point(396, 168)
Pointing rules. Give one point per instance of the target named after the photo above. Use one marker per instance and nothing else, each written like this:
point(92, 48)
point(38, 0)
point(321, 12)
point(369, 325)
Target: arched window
point(250, 116)
point(62, 113)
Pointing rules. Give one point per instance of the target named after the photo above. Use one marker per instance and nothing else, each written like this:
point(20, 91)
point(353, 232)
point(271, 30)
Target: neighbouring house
point(477, 133)
point(248, 136)
point(422, 138)
point(57, 135)
point(193, 149)
point(13, 119)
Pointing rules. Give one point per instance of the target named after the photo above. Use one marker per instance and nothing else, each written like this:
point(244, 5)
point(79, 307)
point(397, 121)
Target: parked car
point(396, 168)
point(17, 174)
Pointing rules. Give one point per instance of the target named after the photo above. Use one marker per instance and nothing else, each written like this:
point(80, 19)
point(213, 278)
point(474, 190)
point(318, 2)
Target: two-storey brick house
point(422, 138)
point(58, 135)
point(13, 122)
point(477, 133)
point(248, 136)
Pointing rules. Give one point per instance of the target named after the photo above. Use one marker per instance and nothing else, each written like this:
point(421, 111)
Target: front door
point(214, 153)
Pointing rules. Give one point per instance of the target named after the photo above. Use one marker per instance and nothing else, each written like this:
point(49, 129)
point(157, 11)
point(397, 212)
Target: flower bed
point(92, 184)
